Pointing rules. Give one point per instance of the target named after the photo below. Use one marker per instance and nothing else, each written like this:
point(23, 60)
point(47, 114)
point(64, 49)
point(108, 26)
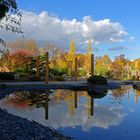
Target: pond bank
point(79, 85)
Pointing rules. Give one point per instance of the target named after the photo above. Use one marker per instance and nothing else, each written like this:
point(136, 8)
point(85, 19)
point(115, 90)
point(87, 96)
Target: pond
point(115, 115)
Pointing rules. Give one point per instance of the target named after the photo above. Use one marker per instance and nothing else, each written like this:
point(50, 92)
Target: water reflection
point(71, 99)
point(81, 114)
point(64, 108)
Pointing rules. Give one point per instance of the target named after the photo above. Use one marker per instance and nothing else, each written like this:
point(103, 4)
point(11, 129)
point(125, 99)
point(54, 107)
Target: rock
point(97, 86)
point(97, 80)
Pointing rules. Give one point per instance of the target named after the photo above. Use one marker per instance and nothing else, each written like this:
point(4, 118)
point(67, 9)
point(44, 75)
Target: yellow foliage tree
point(70, 57)
point(88, 57)
point(137, 70)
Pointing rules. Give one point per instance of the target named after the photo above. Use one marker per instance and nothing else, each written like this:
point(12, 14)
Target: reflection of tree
point(119, 92)
point(67, 96)
point(26, 99)
point(90, 103)
point(19, 100)
point(70, 97)
point(137, 94)
point(137, 91)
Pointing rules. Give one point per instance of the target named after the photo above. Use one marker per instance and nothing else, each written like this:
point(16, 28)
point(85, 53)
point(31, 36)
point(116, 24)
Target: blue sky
point(126, 12)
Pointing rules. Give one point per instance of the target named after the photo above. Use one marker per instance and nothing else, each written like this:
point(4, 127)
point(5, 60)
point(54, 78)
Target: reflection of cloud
point(132, 38)
point(105, 116)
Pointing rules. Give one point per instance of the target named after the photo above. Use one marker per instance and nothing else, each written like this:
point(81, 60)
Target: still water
point(113, 116)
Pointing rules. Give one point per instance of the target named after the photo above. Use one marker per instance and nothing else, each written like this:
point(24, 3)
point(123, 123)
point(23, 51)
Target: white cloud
point(132, 38)
point(45, 28)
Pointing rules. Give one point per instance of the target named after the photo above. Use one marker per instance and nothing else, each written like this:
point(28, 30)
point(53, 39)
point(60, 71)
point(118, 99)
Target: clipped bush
point(59, 78)
point(32, 78)
point(23, 75)
point(7, 76)
point(97, 80)
point(2, 86)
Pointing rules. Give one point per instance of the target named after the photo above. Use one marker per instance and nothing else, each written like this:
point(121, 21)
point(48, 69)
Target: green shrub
point(97, 80)
point(81, 72)
point(7, 76)
point(58, 72)
point(20, 70)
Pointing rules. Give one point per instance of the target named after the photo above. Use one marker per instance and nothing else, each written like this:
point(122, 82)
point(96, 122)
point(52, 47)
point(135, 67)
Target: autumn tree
point(16, 45)
point(118, 67)
point(32, 46)
point(22, 44)
point(16, 61)
point(102, 65)
point(136, 70)
point(81, 60)
point(70, 57)
point(57, 57)
point(5, 63)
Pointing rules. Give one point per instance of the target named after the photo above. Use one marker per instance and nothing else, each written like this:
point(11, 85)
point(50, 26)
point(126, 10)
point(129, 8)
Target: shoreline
point(79, 85)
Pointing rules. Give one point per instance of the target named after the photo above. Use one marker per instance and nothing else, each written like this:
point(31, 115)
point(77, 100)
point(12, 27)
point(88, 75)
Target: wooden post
point(37, 69)
point(46, 105)
point(92, 64)
point(75, 69)
point(47, 68)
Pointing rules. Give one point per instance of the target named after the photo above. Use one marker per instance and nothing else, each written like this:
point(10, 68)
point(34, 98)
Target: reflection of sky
point(114, 118)
point(59, 117)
